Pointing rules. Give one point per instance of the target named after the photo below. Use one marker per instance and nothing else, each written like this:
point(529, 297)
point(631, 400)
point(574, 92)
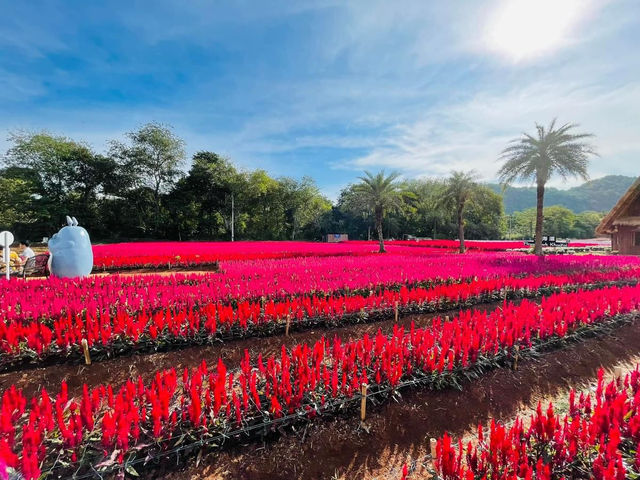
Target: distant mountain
point(599, 195)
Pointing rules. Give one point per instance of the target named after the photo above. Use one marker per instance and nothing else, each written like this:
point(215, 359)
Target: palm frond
point(554, 150)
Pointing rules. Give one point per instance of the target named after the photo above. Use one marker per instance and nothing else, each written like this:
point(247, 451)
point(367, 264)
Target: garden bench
point(36, 266)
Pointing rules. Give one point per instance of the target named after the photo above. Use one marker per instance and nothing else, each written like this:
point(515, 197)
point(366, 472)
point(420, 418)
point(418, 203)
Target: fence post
point(432, 448)
point(396, 311)
point(363, 403)
point(286, 329)
point(85, 349)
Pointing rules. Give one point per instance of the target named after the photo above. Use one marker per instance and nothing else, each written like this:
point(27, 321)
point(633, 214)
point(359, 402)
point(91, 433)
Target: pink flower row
point(248, 280)
point(150, 254)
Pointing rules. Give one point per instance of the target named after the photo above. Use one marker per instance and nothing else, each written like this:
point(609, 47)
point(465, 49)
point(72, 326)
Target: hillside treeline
point(146, 188)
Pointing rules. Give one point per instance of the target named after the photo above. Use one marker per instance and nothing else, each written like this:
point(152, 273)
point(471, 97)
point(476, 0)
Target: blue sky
point(328, 88)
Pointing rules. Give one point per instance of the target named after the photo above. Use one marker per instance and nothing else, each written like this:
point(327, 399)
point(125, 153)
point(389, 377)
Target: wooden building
point(623, 223)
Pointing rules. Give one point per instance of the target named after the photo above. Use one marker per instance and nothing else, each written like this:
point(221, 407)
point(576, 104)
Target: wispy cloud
point(471, 134)
point(327, 88)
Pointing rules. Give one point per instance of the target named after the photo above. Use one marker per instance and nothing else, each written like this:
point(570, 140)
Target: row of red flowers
point(118, 328)
point(47, 299)
point(104, 425)
point(188, 254)
point(498, 245)
point(177, 254)
point(599, 438)
point(481, 245)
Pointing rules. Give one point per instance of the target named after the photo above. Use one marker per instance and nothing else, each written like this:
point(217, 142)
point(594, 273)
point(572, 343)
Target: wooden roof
point(627, 221)
point(615, 216)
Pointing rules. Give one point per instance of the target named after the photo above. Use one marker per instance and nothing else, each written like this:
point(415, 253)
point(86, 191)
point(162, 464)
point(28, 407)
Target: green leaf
point(131, 471)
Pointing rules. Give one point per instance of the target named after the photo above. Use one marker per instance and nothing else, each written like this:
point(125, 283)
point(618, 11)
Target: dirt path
point(399, 432)
point(158, 271)
point(116, 371)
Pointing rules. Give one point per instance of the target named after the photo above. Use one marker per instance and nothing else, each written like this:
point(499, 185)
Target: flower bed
point(106, 427)
point(115, 331)
point(167, 255)
point(598, 438)
point(123, 256)
point(481, 245)
point(238, 281)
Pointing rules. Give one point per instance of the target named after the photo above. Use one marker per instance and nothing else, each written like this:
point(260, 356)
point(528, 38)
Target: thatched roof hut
point(623, 222)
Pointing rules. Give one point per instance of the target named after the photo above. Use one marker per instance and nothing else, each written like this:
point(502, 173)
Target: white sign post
point(6, 239)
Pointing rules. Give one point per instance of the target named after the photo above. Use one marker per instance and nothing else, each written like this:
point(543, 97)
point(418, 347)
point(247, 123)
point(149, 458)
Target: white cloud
point(471, 134)
point(412, 83)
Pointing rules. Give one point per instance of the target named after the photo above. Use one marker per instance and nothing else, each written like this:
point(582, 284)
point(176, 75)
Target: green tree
point(552, 150)
point(303, 203)
point(459, 189)
point(586, 223)
point(524, 223)
point(152, 160)
point(559, 221)
point(65, 177)
point(207, 186)
point(379, 193)
point(50, 157)
point(484, 217)
point(16, 202)
point(429, 217)
point(347, 216)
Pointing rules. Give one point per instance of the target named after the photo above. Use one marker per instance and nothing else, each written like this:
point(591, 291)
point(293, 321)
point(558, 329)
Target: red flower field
point(266, 289)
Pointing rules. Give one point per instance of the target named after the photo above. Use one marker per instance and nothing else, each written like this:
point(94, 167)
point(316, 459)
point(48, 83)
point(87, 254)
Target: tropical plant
point(459, 189)
point(379, 193)
point(552, 150)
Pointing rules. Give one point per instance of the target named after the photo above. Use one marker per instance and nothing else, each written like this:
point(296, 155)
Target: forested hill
point(598, 195)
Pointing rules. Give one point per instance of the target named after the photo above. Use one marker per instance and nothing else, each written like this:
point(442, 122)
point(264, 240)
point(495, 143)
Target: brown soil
point(162, 271)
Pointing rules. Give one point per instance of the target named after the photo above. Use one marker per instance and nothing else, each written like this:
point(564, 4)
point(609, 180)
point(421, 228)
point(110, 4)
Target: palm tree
point(380, 194)
point(458, 190)
point(538, 157)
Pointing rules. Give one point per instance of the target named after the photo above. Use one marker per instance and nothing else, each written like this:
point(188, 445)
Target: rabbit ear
point(75, 222)
point(69, 221)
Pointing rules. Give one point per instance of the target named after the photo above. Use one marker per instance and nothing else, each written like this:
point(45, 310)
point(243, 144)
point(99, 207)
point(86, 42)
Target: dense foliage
point(558, 221)
point(143, 188)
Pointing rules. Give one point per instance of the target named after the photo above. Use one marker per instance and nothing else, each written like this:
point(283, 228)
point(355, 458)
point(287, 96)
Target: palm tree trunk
point(537, 250)
point(379, 230)
point(461, 230)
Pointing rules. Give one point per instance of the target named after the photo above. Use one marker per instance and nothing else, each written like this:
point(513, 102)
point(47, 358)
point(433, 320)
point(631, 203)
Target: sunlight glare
point(522, 29)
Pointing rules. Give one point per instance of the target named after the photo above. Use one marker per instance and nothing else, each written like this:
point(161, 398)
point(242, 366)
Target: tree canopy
point(550, 151)
point(145, 188)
